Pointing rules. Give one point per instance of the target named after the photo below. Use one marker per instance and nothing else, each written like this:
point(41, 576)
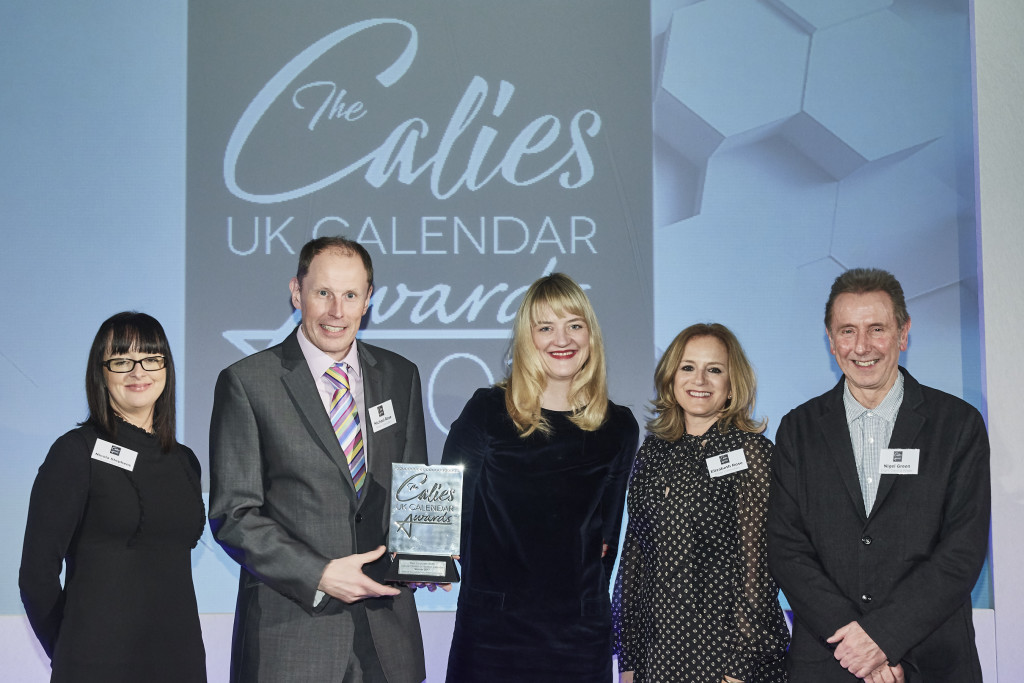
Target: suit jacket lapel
point(909, 422)
point(373, 394)
point(303, 391)
point(837, 438)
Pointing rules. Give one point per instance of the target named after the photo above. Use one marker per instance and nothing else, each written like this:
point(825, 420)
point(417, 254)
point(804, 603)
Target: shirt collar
point(886, 410)
point(319, 362)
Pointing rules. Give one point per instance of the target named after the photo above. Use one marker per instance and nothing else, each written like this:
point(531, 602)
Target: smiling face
point(333, 298)
point(701, 386)
point(867, 343)
point(563, 343)
point(133, 394)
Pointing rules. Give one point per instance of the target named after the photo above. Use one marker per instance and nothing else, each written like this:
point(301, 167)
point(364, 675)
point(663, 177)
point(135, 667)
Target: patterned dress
point(693, 597)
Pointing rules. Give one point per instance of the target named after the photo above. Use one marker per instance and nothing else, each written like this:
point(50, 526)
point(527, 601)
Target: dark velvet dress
point(534, 604)
point(693, 598)
point(127, 612)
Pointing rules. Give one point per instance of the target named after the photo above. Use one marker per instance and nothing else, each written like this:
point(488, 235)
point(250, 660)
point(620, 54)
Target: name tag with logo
point(115, 455)
point(382, 415)
point(899, 461)
point(727, 463)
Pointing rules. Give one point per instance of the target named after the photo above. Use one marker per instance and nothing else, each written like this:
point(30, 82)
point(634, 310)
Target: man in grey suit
point(307, 526)
point(879, 510)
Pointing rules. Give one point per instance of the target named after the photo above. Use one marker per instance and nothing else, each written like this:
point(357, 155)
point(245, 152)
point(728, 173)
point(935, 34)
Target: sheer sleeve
point(759, 631)
point(628, 608)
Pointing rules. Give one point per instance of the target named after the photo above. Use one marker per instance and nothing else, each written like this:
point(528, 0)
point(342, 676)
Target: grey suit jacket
point(282, 504)
point(905, 571)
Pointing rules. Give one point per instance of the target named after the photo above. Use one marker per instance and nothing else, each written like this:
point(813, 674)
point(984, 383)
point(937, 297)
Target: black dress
point(534, 604)
point(127, 612)
point(693, 597)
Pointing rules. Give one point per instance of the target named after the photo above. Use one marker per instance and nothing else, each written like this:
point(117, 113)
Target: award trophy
point(426, 522)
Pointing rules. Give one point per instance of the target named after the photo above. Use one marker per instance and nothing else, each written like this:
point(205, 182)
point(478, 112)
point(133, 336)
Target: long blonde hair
point(668, 421)
point(525, 383)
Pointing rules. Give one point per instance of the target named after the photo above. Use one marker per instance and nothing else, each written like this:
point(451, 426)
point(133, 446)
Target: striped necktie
point(345, 419)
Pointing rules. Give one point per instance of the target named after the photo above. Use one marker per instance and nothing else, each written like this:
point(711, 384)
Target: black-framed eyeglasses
point(149, 363)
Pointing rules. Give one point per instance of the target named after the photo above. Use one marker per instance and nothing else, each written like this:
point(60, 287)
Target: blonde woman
point(694, 601)
point(546, 458)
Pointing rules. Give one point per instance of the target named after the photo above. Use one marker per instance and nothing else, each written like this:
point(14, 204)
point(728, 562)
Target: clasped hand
point(861, 656)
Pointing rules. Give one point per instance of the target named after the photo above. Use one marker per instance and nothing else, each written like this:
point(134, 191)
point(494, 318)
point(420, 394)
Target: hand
point(729, 679)
point(625, 677)
point(604, 549)
point(343, 578)
point(446, 587)
point(887, 674)
point(856, 651)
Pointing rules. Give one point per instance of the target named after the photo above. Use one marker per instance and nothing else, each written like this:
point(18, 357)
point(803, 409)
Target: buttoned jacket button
point(359, 517)
point(867, 540)
point(866, 598)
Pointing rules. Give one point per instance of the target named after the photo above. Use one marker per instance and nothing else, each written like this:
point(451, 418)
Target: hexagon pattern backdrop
point(795, 139)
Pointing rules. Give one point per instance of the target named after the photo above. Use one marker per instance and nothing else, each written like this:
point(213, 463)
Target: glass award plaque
point(426, 522)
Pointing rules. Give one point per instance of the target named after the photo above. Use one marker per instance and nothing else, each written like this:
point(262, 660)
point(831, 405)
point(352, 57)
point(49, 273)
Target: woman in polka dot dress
point(694, 601)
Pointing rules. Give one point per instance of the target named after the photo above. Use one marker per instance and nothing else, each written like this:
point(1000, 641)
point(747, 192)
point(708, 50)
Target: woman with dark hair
point(694, 601)
point(546, 458)
point(118, 501)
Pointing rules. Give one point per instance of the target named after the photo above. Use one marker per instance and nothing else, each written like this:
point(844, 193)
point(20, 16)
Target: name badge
point(115, 455)
point(727, 463)
point(899, 461)
point(382, 415)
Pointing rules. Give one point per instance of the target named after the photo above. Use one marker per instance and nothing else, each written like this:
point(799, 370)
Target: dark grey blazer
point(904, 572)
point(282, 504)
